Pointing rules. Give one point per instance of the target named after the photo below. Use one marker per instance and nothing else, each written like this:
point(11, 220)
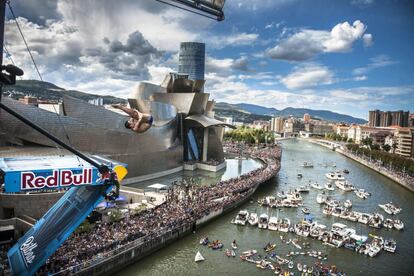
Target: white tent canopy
point(157, 186)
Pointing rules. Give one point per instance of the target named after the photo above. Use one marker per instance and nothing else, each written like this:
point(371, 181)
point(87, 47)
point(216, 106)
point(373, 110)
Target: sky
point(347, 56)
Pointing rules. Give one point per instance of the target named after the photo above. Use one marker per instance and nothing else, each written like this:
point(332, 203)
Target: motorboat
point(353, 216)
point(329, 186)
point(398, 224)
point(281, 194)
point(332, 202)
point(299, 266)
point(390, 246)
point(307, 165)
point(316, 230)
point(302, 228)
point(364, 218)
point(253, 219)
point(345, 186)
point(241, 218)
point(376, 221)
point(269, 247)
point(263, 221)
point(299, 175)
point(295, 243)
point(347, 203)
point(337, 211)
point(248, 253)
point(204, 241)
point(390, 208)
point(303, 189)
point(234, 244)
point(305, 210)
point(339, 234)
point(361, 193)
point(198, 257)
point(284, 225)
point(321, 198)
point(388, 223)
point(345, 171)
point(335, 176)
point(376, 245)
point(317, 186)
point(273, 223)
point(355, 241)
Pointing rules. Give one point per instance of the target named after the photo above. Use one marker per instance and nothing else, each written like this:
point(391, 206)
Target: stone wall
point(33, 205)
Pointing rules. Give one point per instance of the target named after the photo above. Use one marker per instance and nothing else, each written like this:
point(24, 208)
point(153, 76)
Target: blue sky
point(347, 56)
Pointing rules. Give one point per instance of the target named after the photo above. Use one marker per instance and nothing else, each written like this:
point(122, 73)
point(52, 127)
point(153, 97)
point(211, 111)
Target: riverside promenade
point(405, 181)
point(109, 247)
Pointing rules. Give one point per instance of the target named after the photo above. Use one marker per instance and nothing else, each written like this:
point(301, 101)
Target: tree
point(350, 140)
point(386, 147)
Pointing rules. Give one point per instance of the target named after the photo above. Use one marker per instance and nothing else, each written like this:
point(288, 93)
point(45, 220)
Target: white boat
point(281, 194)
point(364, 218)
point(273, 223)
point(376, 220)
point(361, 193)
point(345, 186)
point(303, 189)
point(376, 245)
point(398, 224)
point(285, 225)
point(299, 266)
point(241, 218)
point(307, 165)
point(253, 219)
point(348, 203)
point(305, 210)
point(198, 257)
point(321, 198)
point(316, 185)
point(263, 221)
point(390, 246)
point(290, 264)
point(329, 186)
point(249, 253)
point(295, 243)
point(335, 176)
point(390, 208)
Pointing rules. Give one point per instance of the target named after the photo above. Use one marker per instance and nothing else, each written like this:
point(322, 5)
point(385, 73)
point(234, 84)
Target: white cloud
point(308, 76)
point(362, 2)
point(360, 78)
point(306, 43)
point(375, 62)
point(238, 39)
point(367, 39)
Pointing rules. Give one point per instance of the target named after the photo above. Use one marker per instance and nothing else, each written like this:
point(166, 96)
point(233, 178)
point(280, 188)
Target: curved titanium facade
point(191, 60)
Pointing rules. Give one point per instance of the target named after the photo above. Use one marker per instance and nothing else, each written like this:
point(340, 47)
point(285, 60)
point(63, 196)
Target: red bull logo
point(63, 178)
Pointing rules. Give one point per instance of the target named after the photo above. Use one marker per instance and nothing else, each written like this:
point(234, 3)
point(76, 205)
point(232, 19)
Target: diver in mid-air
point(139, 122)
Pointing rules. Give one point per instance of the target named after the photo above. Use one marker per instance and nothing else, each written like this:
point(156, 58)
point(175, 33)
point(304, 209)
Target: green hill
point(48, 91)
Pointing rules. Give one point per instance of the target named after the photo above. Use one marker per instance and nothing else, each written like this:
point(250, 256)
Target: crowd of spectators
point(183, 206)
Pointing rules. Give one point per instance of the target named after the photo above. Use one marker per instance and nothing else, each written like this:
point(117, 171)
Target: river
point(178, 258)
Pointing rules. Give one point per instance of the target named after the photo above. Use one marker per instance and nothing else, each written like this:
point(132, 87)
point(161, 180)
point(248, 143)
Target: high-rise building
point(379, 118)
point(191, 60)
point(276, 124)
point(306, 118)
point(374, 118)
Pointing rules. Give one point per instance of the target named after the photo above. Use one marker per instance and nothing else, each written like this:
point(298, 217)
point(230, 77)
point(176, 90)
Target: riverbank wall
point(379, 169)
point(131, 253)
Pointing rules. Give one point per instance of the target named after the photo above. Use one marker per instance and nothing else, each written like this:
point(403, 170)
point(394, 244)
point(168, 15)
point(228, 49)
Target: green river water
point(178, 258)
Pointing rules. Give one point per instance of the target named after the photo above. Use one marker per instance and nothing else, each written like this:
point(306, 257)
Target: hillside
point(298, 112)
point(49, 91)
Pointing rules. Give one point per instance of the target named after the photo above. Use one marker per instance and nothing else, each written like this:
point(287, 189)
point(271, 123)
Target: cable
point(9, 56)
point(40, 76)
point(24, 40)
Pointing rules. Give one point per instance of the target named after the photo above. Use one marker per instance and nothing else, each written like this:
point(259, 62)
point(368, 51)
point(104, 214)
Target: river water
point(178, 258)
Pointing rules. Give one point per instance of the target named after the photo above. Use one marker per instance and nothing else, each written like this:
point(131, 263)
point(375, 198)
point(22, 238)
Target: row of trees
point(396, 162)
point(337, 137)
point(249, 135)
